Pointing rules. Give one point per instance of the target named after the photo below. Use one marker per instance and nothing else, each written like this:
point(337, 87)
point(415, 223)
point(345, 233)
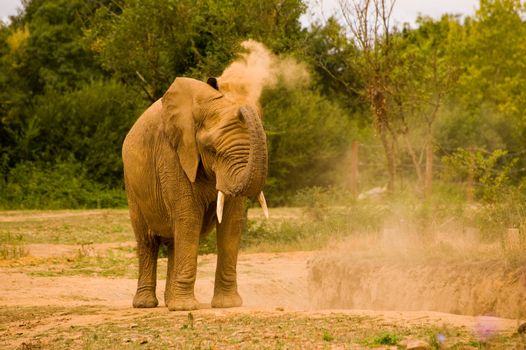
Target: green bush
point(88, 125)
point(55, 186)
point(493, 219)
point(315, 228)
point(307, 135)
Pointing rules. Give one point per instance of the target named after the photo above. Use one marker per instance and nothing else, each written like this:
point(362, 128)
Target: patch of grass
point(12, 247)
point(9, 314)
point(8, 251)
point(327, 336)
point(312, 230)
point(116, 263)
point(384, 338)
point(67, 227)
point(111, 264)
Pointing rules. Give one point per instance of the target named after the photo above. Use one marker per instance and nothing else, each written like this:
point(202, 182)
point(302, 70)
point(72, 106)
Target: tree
point(187, 37)
point(42, 51)
point(368, 22)
point(494, 71)
point(333, 55)
point(307, 136)
point(486, 106)
point(423, 81)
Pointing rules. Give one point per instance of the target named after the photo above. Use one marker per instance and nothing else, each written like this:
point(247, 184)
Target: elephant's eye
point(211, 149)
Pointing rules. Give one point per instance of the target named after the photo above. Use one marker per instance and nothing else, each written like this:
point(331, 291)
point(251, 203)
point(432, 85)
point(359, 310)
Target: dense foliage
point(75, 74)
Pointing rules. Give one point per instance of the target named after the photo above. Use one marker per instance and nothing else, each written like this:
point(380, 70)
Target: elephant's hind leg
point(147, 250)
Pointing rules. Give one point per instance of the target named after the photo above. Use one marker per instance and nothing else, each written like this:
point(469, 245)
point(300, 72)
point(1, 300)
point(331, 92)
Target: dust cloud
point(445, 269)
point(258, 68)
point(402, 269)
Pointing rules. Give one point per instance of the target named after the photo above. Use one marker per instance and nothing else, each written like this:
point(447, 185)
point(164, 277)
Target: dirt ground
point(40, 311)
point(264, 283)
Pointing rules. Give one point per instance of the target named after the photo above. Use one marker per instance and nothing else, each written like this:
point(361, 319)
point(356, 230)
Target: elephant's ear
point(179, 124)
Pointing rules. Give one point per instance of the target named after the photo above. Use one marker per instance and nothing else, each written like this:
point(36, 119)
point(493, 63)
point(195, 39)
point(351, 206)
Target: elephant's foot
point(145, 299)
point(182, 303)
point(226, 299)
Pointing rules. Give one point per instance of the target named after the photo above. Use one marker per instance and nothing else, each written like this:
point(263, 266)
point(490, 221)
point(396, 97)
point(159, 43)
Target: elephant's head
point(227, 138)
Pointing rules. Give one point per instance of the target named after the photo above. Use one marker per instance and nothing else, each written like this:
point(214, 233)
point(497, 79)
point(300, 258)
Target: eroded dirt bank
point(342, 280)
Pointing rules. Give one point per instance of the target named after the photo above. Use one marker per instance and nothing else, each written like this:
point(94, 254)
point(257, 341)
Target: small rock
point(417, 345)
point(144, 341)
point(522, 329)
point(280, 309)
point(134, 325)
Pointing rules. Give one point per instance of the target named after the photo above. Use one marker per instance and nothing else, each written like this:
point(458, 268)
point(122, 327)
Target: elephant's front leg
point(228, 238)
point(182, 265)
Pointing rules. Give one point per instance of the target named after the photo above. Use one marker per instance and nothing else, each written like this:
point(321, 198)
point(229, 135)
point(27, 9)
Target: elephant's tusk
point(220, 204)
point(263, 203)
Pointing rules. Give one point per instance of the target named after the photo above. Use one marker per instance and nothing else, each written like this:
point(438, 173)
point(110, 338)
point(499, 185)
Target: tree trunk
point(416, 162)
point(354, 169)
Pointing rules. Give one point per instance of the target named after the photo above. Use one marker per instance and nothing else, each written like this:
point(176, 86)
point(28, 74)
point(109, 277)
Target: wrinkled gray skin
point(185, 148)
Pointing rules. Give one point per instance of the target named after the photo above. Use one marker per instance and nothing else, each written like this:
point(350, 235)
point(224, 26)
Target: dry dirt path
point(266, 281)
point(37, 312)
point(272, 285)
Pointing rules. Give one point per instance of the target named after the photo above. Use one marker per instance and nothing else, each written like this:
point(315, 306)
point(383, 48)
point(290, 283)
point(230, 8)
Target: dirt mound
point(338, 279)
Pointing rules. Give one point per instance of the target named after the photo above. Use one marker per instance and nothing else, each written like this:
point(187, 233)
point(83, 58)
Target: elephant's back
point(138, 151)
point(144, 130)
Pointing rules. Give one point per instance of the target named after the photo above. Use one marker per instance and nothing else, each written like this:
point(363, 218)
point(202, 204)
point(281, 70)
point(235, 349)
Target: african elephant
point(190, 161)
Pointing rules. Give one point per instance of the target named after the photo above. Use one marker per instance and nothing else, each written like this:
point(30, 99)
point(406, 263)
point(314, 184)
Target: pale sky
point(405, 10)
point(8, 8)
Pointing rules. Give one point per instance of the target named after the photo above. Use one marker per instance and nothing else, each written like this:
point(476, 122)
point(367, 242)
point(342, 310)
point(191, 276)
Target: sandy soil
point(19, 216)
point(267, 281)
point(264, 282)
point(310, 283)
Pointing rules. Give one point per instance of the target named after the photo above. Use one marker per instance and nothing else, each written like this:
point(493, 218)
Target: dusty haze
point(403, 269)
point(258, 68)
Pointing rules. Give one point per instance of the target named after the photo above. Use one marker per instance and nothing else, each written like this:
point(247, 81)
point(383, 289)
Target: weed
point(384, 338)
point(327, 336)
point(11, 246)
point(8, 252)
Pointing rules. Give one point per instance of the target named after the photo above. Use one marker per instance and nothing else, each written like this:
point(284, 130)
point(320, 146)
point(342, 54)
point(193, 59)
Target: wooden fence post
point(354, 169)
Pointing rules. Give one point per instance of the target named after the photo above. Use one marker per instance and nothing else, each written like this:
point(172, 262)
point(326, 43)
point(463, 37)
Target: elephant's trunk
point(253, 177)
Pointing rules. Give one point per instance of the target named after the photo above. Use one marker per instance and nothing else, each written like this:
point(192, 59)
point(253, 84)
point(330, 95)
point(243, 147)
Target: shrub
point(55, 186)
